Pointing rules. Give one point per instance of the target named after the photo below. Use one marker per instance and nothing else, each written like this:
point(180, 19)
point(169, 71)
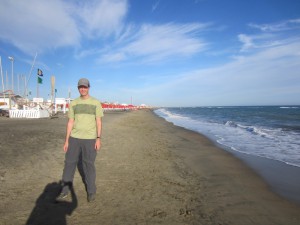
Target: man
point(83, 137)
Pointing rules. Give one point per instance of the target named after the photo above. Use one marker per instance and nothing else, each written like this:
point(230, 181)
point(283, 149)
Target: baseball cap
point(84, 82)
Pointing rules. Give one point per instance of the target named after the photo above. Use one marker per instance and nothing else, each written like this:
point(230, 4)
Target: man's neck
point(84, 97)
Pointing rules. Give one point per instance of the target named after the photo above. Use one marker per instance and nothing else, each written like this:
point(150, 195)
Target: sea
point(271, 132)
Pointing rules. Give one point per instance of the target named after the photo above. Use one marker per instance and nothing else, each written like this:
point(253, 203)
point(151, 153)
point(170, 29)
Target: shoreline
point(148, 172)
point(280, 176)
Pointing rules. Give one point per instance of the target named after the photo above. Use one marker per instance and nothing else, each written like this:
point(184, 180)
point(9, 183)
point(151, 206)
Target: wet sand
point(282, 178)
point(148, 172)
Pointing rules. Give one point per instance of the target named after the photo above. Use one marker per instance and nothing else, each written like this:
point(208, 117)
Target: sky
point(155, 52)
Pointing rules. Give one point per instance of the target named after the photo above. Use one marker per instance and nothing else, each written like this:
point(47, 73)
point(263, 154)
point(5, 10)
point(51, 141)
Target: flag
point(40, 72)
point(40, 80)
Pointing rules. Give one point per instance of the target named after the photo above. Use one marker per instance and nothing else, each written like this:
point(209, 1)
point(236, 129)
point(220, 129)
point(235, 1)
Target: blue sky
point(156, 52)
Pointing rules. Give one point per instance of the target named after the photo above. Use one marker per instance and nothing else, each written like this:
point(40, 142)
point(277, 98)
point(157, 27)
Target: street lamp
point(12, 72)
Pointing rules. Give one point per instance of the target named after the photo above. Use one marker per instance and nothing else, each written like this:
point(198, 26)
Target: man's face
point(83, 90)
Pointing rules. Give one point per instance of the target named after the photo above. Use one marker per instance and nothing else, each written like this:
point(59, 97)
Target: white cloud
point(269, 35)
point(113, 57)
point(40, 25)
point(155, 5)
point(278, 27)
point(269, 76)
point(35, 25)
point(159, 42)
point(102, 18)
point(247, 41)
point(257, 41)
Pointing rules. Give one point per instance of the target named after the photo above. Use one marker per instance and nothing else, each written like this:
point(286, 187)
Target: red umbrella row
point(113, 106)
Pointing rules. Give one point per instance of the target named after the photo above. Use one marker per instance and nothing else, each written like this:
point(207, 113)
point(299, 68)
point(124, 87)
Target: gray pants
point(84, 148)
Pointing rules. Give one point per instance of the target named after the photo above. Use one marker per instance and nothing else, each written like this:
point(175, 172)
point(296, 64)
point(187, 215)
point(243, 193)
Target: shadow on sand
point(49, 211)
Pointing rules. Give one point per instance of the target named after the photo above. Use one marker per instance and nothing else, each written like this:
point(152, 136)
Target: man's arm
point(99, 130)
point(68, 133)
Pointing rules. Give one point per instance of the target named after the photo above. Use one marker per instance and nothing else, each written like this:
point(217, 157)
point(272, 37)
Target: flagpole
point(52, 92)
point(1, 74)
point(3, 89)
point(30, 72)
point(19, 84)
point(37, 86)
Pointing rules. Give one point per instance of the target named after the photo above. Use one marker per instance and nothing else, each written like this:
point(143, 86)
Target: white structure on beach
point(17, 107)
point(30, 113)
point(32, 109)
point(9, 101)
point(61, 104)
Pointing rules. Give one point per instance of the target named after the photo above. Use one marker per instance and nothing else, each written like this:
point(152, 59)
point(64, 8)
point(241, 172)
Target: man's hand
point(98, 144)
point(69, 129)
point(66, 145)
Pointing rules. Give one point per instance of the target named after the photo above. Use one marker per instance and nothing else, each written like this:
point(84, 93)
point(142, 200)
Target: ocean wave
point(250, 136)
point(256, 131)
point(251, 129)
point(168, 114)
point(289, 107)
point(231, 124)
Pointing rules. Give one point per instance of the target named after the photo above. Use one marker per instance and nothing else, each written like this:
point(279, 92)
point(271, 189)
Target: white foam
point(289, 107)
point(260, 141)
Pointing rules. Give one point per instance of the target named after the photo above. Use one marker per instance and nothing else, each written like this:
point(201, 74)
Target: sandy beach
point(148, 172)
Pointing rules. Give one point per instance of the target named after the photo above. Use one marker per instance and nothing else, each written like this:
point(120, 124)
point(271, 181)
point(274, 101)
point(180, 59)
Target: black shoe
point(91, 197)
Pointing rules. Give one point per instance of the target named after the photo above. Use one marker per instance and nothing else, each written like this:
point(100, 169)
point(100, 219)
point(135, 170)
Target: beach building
point(10, 101)
point(61, 104)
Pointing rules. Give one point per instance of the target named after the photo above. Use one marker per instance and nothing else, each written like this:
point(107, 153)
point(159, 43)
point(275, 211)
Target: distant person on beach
point(83, 139)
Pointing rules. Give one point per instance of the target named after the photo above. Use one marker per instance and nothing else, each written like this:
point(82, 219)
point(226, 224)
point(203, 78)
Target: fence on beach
point(31, 113)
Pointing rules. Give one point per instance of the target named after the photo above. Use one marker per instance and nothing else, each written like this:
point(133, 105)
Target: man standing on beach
point(83, 137)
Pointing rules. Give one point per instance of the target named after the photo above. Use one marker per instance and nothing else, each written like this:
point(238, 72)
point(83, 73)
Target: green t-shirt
point(84, 112)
